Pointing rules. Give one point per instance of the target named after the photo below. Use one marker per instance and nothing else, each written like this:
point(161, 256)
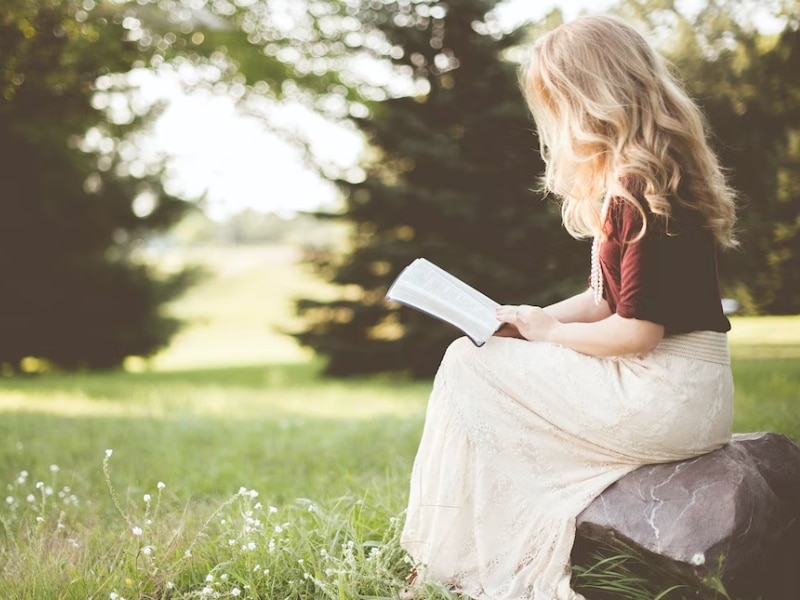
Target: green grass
point(276, 429)
point(232, 406)
point(766, 365)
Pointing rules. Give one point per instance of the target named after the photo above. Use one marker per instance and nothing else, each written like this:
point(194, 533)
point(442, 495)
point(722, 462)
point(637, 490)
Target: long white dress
point(519, 438)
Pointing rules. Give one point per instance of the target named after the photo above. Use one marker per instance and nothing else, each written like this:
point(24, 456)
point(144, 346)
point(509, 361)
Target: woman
point(522, 433)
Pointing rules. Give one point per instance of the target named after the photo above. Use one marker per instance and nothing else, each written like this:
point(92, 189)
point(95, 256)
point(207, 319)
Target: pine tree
point(73, 293)
point(451, 180)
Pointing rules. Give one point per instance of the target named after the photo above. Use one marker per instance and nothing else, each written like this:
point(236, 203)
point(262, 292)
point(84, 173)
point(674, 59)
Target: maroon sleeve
point(638, 289)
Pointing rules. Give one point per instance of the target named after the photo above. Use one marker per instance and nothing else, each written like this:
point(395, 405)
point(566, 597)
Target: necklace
point(596, 273)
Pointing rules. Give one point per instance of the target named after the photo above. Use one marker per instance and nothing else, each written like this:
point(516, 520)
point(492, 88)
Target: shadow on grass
point(119, 384)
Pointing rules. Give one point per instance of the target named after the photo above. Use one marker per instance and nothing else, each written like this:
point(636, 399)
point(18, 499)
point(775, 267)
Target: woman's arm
point(579, 308)
point(612, 336)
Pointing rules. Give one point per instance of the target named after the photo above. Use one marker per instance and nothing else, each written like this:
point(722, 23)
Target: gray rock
point(733, 513)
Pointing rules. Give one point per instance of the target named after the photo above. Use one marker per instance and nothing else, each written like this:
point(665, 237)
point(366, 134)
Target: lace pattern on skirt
point(519, 437)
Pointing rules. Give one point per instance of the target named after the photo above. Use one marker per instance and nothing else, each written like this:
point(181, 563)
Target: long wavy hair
point(608, 111)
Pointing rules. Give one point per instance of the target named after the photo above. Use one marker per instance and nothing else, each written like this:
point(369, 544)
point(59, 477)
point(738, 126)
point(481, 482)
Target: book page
point(433, 290)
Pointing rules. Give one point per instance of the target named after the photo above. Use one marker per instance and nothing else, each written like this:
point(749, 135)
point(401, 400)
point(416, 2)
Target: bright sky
point(239, 164)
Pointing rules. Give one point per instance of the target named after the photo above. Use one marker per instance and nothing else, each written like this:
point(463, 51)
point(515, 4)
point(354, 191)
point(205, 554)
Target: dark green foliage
point(757, 119)
point(72, 291)
point(451, 181)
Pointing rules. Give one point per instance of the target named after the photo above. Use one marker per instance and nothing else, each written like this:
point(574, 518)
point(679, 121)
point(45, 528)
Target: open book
point(432, 290)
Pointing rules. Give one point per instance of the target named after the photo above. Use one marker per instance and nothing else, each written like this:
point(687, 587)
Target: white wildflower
point(54, 468)
point(236, 592)
point(109, 452)
point(137, 531)
point(272, 510)
point(161, 485)
point(147, 498)
point(699, 559)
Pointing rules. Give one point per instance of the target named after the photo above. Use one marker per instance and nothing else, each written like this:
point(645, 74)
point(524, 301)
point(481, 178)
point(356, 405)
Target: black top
point(667, 277)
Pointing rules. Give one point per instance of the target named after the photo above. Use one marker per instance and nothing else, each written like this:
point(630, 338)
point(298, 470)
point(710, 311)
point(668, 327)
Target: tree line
point(450, 172)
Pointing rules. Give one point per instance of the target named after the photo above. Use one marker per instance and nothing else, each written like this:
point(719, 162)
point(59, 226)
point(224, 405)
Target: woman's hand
point(612, 336)
point(532, 322)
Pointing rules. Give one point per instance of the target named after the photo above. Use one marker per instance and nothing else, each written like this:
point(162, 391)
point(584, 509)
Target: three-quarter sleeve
point(638, 266)
point(631, 262)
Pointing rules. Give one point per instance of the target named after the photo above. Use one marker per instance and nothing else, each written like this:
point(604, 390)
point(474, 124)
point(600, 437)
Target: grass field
point(226, 467)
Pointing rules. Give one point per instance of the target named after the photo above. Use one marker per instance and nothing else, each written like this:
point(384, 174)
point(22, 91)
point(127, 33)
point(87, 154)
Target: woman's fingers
point(508, 313)
point(532, 322)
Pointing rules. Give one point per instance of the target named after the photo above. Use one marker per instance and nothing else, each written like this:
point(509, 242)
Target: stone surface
point(739, 505)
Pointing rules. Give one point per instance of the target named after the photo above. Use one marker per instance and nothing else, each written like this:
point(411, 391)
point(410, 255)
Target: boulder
point(733, 514)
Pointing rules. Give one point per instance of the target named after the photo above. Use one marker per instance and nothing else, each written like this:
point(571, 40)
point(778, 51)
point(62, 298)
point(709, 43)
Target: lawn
point(227, 467)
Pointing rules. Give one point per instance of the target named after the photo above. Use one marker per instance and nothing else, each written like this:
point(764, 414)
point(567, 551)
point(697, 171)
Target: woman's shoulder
point(629, 213)
point(626, 217)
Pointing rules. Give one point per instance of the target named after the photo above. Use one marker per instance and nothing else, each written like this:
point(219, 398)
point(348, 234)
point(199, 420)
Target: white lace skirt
point(519, 437)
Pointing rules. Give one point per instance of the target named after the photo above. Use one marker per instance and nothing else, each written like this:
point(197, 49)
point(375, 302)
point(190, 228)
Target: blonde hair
point(608, 111)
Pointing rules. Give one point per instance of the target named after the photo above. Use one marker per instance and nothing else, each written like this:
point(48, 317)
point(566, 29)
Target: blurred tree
point(748, 83)
point(74, 293)
point(453, 162)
